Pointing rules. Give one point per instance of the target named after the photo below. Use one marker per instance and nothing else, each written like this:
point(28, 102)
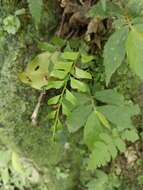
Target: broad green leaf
point(37, 71)
point(120, 115)
point(103, 119)
point(130, 135)
point(55, 85)
point(114, 52)
point(16, 163)
point(63, 65)
point(54, 100)
point(99, 9)
point(70, 55)
point(58, 74)
point(87, 58)
point(70, 97)
point(134, 48)
point(78, 117)
point(68, 104)
point(65, 110)
point(81, 74)
point(80, 86)
point(82, 98)
point(135, 7)
point(92, 130)
point(110, 96)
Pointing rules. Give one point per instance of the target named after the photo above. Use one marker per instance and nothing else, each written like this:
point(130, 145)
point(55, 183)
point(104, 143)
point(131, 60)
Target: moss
point(17, 104)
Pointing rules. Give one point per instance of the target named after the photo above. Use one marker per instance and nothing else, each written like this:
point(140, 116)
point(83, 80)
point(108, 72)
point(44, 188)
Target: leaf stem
point(58, 109)
point(61, 99)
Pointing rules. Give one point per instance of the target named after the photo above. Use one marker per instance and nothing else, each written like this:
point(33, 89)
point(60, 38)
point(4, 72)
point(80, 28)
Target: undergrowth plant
point(15, 171)
point(126, 39)
point(104, 116)
point(35, 10)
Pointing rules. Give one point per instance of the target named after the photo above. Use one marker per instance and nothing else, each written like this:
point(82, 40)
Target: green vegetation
point(71, 95)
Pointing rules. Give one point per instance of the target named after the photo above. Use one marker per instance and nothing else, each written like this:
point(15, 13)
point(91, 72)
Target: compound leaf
point(78, 117)
point(134, 48)
point(114, 52)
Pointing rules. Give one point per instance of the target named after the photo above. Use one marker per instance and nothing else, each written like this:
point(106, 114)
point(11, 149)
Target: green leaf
point(120, 144)
point(55, 85)
point(59, 125)
point(11, 24)
point(99, 9)
point(58, 74)
point(103, 3)
point(114, 52)
point(58, 41)
point(99, 156)
point(46, 47)
point(70, 97)
point(37, 71)
point(70, 55)
point(109, 141)
point(63, 65)
point(53, 100)
point(52, 114)
point(82, 98)
point(16, 163)
point(130, 135)
point(110, 96)
point(134, 48)
point(78, 117)
point(92, 130)
point(65, 110)
point(87, 58)
point(35, 9)
point(120, 115)
point(135, 7)
point(81, 74)
point(100, 182)
point(76, 84)
point(103, 119)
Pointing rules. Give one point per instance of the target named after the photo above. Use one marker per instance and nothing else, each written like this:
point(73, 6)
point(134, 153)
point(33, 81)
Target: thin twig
point(61, 25)
point(36, 110)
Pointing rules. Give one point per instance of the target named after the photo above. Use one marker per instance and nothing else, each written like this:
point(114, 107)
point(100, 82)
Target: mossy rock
point(34, 142)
